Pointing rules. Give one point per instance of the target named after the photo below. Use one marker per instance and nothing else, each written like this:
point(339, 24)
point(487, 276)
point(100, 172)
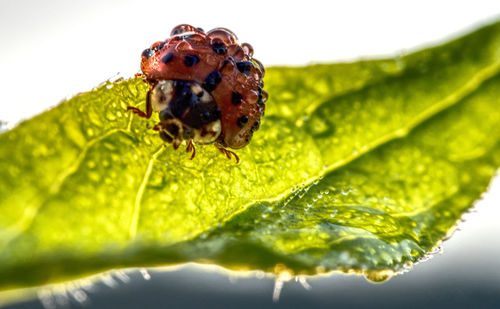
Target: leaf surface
point(358, 167)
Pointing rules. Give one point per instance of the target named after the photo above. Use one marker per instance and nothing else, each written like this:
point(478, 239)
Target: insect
point(206, 87)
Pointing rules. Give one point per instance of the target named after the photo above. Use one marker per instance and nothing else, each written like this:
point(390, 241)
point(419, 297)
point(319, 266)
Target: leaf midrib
point(469, 87)
point(453, 98)
point(472, 85)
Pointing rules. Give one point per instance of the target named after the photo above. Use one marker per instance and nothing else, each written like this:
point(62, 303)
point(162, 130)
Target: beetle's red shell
point(239, 72)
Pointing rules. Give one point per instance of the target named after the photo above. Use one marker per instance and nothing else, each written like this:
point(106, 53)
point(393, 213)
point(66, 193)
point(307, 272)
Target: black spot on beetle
point(219, 48)
point(159, 47)
point(191, 60)
point(167, 58)
point(148, 53)
point(244, 67)
point(242, 121)
point(255, 126)
point(201, 114)
point(260, 101)
point(212, 80)
point(177, 31)
point(236, 98)
point(189, 109)
point(200, 29)
point(183, 98)
point(183, 89)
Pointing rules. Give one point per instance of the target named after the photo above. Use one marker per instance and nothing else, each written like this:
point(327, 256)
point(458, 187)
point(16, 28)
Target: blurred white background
point(54, 49)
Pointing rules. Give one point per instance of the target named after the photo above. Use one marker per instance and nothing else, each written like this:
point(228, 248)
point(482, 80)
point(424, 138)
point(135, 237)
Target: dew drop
point(110, 116)
point(79, 295)
point(260, 274)
point(303, 281)
point(282, 275)
point(95, 177)
point(46, 298)
point(109, 281)
point(320, 127)
point(278, 286)
point(122, 276)
point(379, 276)
point(406, 267)
point(145, 274)
point(90, 132)
point(91, 164)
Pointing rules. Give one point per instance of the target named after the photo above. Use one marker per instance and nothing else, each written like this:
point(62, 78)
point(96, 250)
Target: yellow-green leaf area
point(359, 166)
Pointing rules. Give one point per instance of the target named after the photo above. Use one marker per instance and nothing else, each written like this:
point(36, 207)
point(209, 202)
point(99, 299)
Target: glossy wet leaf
point(358, 167)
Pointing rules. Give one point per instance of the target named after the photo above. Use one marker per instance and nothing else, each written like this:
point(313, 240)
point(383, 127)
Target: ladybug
point(206, 87)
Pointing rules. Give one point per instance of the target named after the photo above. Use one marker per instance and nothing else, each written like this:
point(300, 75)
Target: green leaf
point(360, 167)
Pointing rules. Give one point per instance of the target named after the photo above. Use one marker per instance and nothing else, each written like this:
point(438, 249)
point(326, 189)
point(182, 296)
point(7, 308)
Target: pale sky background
point(54, 49)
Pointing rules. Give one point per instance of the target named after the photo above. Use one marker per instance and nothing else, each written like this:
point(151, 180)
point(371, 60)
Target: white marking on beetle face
point(206, 97)
point(210, 133)
point(196, 89)
point(161, 95)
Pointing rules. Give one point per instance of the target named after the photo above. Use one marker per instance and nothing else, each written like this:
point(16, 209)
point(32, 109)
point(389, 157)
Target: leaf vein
point(29, 216)
point(140, 192)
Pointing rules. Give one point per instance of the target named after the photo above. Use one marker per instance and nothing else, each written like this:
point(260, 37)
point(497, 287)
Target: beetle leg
point(228, 153)
point(190, 147)
point(149, 107)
